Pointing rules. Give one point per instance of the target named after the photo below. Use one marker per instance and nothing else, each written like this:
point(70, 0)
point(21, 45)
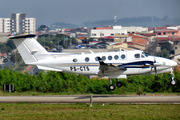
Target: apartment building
point(18, 23)
point(5, 25)
point(98, 32)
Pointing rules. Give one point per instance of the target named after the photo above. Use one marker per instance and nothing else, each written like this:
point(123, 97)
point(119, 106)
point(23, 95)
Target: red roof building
point(156, 28)
point(167, 32)
point(138, 38)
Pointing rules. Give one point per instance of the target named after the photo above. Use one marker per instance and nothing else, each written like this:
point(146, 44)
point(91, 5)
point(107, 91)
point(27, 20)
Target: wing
point(106, 69)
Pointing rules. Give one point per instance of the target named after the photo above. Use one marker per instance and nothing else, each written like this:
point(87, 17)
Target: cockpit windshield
point(145, 54)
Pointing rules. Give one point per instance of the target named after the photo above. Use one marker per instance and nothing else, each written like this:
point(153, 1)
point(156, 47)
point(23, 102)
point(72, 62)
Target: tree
point(150, 50)
point(163, 53)
point(10, 43)
point(43, 28)
point(168, 46)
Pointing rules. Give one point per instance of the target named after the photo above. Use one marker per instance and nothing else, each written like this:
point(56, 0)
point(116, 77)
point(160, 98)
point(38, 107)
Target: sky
point(47, 12)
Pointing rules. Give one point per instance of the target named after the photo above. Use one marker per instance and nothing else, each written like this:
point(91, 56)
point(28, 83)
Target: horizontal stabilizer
point(22, 36)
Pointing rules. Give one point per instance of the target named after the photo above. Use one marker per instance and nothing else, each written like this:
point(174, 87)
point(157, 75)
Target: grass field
point(29, 111)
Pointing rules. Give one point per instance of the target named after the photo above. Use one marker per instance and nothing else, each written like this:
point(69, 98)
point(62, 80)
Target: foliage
point(163, 53)
point(52, 41)
point(57, 82)
point(168, 46)
point(10, 44)
point(43, 28)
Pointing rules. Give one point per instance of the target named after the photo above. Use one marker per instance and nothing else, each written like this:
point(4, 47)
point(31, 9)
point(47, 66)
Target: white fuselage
point(87, 64)
point(109, 64)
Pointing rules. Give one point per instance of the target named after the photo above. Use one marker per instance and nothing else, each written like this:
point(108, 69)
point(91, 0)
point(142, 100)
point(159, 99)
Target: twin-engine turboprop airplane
point(108, 64)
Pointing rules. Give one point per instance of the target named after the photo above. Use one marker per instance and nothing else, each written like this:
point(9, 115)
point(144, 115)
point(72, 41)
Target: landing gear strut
point(173, 81)
point(111, 86)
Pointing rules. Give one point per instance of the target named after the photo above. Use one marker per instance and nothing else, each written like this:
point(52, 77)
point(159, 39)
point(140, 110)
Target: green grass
point(29, 111)
point(31, 93)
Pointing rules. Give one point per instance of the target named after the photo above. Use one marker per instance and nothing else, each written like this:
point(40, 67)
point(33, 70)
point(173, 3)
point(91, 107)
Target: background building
point(5, 25)
point(18, 23)
point(106, 31)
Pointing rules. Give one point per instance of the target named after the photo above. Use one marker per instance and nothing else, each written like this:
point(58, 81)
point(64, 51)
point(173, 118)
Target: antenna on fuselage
point(91, 51)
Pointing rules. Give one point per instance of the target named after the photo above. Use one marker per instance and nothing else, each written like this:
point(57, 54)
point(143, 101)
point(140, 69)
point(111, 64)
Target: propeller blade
point(154, 66)
point(155, 70)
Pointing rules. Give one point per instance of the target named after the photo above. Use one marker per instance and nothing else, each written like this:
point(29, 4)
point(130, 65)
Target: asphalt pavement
point(95, 99)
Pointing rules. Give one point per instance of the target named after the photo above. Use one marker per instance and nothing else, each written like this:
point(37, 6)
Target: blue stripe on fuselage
point(136, 64)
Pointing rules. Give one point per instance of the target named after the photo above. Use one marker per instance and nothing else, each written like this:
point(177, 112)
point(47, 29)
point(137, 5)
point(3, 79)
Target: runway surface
point(86, 99)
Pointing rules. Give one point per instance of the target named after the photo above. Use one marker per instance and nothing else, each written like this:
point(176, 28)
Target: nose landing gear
point(173, 81)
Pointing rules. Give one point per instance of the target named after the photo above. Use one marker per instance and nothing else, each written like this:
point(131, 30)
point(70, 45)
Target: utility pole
point(115, 21)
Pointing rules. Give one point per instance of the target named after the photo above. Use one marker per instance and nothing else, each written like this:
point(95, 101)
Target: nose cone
point(170, 63)
point(174, 63)
point(166, 62)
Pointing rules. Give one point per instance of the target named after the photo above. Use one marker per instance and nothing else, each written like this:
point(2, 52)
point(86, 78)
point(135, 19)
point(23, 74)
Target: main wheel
point(119, 84)
point(173, 82)
point(112, 87)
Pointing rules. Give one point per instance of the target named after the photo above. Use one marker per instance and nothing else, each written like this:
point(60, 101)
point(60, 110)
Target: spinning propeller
point(154, 66)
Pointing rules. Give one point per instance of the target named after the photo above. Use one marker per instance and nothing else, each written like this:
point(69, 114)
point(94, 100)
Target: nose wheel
point(173, 82)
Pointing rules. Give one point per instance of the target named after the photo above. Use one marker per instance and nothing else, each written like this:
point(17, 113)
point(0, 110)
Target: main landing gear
point(173, 81)
point(112, 86)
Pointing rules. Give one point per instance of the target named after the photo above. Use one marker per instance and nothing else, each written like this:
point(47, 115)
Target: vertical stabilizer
point(28, 48)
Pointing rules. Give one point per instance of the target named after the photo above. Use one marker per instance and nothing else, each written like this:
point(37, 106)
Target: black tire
point(119, 84)
point(173, 82)
point(112, 87)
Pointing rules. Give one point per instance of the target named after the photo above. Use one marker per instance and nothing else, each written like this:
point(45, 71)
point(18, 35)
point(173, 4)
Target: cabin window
point(74, 60)
point(103, 58)
point(87, 59)
point(142, 56)
point(96, 59)
point(101, 34)
point(109, 57)
point(137, 55)
point(93, 34)
point(116, 57)
point(145, 54)
point(123, 56)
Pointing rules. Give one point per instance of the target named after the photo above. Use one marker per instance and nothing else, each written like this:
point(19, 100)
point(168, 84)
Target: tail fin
point(28, 47)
